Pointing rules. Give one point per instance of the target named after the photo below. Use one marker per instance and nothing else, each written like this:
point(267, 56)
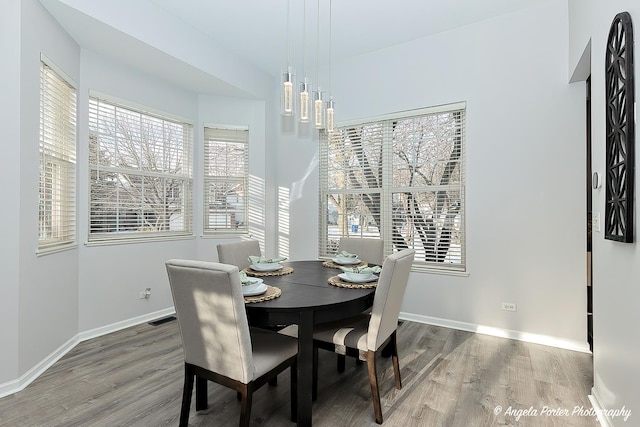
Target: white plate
point(346, 261)
point(346, 278)
point(253, 290)
point(254, 281)
point(266, 267)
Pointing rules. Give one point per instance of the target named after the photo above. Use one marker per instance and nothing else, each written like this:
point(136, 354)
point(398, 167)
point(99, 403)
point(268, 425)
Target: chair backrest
point(211, 315)
point(392, 283)
point(367, 249)
point(237, 253)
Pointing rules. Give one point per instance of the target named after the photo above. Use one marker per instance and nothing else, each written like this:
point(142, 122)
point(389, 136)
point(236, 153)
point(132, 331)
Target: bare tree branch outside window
point(140, 173)
point(402, 180)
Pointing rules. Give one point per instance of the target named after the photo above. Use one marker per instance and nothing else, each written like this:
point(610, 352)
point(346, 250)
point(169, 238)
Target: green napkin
point(246, 280)
point(346, 254)
point(262, 260)
point(374, 269)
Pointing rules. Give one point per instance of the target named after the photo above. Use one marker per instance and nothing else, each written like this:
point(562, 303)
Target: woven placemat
point(281, 272)
point(271, 293)
point(336, 281)
point(332, 264)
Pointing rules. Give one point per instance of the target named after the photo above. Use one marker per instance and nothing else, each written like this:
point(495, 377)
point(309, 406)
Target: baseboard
point(499, 332)
point(103, 330)
point(32, 374)
point(597, 406)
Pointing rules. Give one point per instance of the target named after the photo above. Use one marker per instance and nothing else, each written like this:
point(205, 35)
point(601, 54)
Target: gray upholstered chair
point(367, 334)
point(367, 249)
point(217, 342)
point(237, 253)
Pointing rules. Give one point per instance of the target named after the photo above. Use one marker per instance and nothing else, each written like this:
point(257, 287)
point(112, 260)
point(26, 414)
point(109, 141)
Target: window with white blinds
point(226, 180)
point(57, 188)
point(400, 178)
point(140, 169)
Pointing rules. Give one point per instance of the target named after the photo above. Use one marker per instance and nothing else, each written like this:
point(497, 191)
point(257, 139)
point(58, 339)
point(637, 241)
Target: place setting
point(262, 266)
point(255, 290)
point(356, 277)
point(344, 258)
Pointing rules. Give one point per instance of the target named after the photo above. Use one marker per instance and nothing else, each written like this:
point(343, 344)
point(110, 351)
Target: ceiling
point(256, 31)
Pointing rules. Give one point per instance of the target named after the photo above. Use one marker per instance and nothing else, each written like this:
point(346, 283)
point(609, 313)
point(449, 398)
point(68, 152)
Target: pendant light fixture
point(287, 95)
point(304, 85)
point(330, 103)
point(318, 104)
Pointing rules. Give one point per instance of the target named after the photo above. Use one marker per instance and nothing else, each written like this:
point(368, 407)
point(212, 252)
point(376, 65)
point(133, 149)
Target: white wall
point(616, 266)
point(10, 24)
point(525, 169)
point(43, 326)
point(111, 277)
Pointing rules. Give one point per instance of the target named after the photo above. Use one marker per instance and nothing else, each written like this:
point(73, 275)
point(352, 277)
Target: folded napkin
point(345, 254)
point(262, 260)
point(246, 280)
point(374, 269)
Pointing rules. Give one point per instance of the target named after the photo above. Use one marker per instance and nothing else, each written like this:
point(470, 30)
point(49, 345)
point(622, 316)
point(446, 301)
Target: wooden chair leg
point(314, 390)
point(395, 361)
point(294, 391)
point(245, 405)
point(341, 362)
point(373, 380)
point(202, 402)
point(186, 395)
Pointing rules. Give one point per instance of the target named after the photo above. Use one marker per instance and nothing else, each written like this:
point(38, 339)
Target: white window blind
point(140, 170)
point(400, 179)
point(226, 179)
point(57, 188)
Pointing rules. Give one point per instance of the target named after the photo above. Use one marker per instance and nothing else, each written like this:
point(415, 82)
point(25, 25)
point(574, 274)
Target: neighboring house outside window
point(226, 180)
point(400, 178)
point(57, 188)
point(140, 169)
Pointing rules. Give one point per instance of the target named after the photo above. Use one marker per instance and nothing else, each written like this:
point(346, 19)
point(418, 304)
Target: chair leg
point(394, 359)
point(373, 380)
point(294, 392)
point(202, 402)
point(341, 362)
point(245, 405)
point(186, 395)
point(314, 380)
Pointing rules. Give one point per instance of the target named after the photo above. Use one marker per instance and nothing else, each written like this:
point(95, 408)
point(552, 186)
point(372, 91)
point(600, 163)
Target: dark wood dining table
point(307, 299)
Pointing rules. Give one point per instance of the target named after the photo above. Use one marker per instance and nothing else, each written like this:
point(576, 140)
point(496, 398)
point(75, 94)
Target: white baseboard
point(499, 332)
point(597, 405)
point(28, 377)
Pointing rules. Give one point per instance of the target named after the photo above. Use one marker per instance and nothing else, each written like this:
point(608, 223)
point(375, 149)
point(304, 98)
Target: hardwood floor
point(453, 378)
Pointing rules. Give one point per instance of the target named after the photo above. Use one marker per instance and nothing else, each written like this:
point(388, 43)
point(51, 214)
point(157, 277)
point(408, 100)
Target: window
point(140, 173)
point(399, 178)
point(226, 175)
point(57, 188)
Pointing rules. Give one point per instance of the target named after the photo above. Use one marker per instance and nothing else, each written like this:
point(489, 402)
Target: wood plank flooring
point(450, 378)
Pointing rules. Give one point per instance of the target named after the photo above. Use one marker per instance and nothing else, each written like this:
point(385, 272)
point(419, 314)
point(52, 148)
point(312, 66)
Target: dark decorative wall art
point(619, 80)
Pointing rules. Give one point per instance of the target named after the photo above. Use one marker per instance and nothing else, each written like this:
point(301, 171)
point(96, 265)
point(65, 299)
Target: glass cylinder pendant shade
point(330, 115)
point(304, 102)
point(287, 93)
point(318, 109)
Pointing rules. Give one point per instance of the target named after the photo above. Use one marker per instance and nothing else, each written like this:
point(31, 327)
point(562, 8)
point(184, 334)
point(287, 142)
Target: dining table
point(307, 298)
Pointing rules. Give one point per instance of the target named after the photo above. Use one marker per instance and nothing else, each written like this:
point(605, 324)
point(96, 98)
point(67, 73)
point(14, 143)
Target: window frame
point(225, 134)
point(183, 177)
point(57, 159)
point(387, 188)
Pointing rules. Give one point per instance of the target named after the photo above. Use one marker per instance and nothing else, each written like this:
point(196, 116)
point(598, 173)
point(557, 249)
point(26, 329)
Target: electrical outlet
point(595, 221)
point(509, 306)
point(145, 294)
